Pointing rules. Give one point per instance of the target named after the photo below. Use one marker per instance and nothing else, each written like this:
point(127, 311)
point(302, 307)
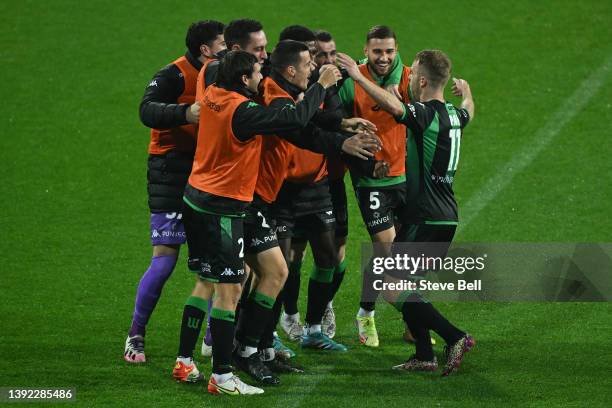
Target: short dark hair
point(436, 66)
point(234, 65)
point(380, 32)
point(202, 32)
point(323, 36)
point(239, 32)
point(297, 33)
point(287, 53)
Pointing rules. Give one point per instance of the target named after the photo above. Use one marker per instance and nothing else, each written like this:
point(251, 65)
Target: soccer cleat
point(292, 327)
point(414, 364)
point(454, 354)
point(281, 349)
point(186, 372)
point(134, 350)
point(233, 386)
point(282, 366)
point(320, 341)
point(254, 367)
point(366, 326)
point(328, 323)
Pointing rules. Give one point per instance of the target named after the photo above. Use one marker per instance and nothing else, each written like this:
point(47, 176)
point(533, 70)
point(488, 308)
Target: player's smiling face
point(381, 53)
point(326, 53)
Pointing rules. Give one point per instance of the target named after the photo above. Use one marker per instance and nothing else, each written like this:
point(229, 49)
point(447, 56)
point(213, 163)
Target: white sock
point(268, 354)
point(315, 328)
point(185, 360)
point(292, 317)
point(365, 313)
point(221, 378)
point(246, 351)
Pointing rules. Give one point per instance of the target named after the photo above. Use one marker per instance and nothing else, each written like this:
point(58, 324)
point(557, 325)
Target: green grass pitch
point(74, 219)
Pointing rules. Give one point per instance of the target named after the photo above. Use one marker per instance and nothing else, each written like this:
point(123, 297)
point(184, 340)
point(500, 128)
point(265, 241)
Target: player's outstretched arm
point(384, 99)
point(462, 88)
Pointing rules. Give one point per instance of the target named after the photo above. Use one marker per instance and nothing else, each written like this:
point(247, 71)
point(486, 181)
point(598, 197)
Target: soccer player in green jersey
point(433, 155)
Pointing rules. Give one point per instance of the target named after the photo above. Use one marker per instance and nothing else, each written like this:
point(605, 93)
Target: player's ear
point(365, 50)
point(205, 50)
point(291, 70)
point(245, 79)
point(236, 47)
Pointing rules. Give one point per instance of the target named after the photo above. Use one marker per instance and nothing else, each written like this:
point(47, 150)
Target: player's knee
point(227, 295)
point(283, 273)
point(278, 276)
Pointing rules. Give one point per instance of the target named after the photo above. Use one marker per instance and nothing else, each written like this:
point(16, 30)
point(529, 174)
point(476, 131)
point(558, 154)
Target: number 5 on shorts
point(374, 200)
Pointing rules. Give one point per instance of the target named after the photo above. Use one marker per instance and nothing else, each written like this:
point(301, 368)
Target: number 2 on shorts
point(241, 243)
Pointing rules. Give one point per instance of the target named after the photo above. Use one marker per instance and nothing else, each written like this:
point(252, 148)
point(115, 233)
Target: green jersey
point(433, 146)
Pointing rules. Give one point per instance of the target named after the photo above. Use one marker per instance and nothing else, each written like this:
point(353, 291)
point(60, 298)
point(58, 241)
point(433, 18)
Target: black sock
point(254, 317)
point(338, 277)
point(368, 293)
point(222, 331)
point(424, 350)
point(292, 288)
point(267, 337)
point(193, 316)
point(429, 317)
point(318, 295)
point(244, 295)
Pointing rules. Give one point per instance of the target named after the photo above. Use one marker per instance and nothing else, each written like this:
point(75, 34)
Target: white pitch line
point(542, 138)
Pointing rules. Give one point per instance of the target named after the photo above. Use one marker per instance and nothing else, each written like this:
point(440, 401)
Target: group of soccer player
point(247, 163)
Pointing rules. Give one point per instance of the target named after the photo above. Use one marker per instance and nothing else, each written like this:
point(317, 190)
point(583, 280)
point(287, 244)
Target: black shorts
point(431, 241)
point(378, 205)
point(259, 227)
point(305, 226)
point(303, 209)
point(337, 190)
point(216, 246)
